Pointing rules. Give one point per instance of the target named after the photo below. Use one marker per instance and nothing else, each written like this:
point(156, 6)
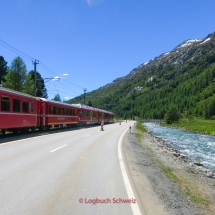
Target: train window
point(25, 106)
point(50, 109)
point(74, 112)
point(5, 103)
point(82, 113)
point(67, 111)
point(32, 107)
point(54, 110)
point(70, 112)
point(94, 114)
point(63, 111)
point(16, 105)
point(59, 110)
point(100, 114)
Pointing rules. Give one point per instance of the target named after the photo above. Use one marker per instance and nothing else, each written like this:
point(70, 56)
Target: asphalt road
point(64, 173)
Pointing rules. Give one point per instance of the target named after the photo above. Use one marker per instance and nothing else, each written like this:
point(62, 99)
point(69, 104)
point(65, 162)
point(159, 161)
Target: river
point(195, 146)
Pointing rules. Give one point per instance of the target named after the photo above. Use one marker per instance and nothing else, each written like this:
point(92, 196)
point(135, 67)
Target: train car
point(105, 116)
point(18, 111)
point(109, 117)
point(57, 114)
point(87, 114)
point(91, 115)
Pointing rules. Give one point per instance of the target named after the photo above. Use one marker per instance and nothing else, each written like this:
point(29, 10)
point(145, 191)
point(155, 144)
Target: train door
point(91, 113)
point(103, 117)
point(44, 114)
point(38, 113)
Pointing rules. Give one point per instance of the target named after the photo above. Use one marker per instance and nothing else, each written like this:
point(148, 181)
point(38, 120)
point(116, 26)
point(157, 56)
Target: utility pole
point(85, 89)
point(35, 62)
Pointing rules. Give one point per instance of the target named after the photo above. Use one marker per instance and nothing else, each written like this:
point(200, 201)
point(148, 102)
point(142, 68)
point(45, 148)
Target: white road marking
point(130, 193)
point(86, 136)
point(58, 148)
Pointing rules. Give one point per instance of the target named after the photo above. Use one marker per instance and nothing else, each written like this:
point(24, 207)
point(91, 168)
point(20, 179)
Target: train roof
point(57, 102)
point(3, 89)
point(91, 108)
point(85, 107)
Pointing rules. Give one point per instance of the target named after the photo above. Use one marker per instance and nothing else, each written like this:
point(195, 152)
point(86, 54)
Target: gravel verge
point(157, 193)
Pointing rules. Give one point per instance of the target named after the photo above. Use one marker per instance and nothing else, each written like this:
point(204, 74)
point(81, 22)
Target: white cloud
point(68, 97)
point(92, 3)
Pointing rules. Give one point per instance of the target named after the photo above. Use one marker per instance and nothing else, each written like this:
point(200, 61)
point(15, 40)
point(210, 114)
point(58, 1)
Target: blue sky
point(97, 41)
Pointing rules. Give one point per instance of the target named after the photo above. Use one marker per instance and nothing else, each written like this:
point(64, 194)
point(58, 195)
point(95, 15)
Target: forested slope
point(184, 77)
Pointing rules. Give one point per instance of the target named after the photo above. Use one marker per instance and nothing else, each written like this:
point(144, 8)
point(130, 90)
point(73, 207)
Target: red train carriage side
point(105, 116)
point(87, 114)
point(18, 111)
point(57, 114)
point(91, 115)
point(109, 117)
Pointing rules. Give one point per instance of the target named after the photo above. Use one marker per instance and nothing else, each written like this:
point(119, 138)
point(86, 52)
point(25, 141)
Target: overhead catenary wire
point(49, 70)
point(42, 65)
point(17, 51)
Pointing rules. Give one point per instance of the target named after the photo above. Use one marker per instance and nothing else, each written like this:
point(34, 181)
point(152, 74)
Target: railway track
point(23, 135)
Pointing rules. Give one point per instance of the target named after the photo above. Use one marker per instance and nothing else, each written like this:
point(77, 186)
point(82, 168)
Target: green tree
point(3, 69)
point(29, 85)
point(172, 115)
point(16, 76)
point(57, 98)
point(89, 103)
point(40, 85)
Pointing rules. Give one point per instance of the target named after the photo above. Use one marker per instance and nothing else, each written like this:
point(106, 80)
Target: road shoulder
point(155, 192)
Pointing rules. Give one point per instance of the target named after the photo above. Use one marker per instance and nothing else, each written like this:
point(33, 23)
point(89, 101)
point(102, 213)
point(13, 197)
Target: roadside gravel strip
point(156, 192)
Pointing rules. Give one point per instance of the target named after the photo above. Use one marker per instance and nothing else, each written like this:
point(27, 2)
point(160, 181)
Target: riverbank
point(202, 126)
point(166, 179)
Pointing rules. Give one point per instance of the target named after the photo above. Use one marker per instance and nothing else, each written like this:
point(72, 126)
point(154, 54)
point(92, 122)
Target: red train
point(20, 111)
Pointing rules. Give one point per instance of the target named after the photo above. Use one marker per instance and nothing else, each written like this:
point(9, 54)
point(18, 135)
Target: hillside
point(184, 76)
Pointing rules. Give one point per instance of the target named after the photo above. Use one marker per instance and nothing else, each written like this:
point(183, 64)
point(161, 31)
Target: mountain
point(184, 77)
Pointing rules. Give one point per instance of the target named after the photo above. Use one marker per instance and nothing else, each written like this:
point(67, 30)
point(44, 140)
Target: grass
point(196, 125)
point(195, 197)
point(139, 137)
point(188, 187)
point(169, 173)
point(159, 161)
point(140, 127)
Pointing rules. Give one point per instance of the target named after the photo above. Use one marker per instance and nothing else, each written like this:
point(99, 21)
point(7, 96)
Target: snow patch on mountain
point(138, 88)
point(150, 79)
point(189, 42)
point(143, 64)
point(205, 41)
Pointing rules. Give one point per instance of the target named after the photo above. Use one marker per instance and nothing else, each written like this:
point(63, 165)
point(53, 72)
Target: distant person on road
point(102, 126)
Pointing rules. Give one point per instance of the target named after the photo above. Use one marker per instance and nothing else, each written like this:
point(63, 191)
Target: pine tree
point(16, 76)
point(57, 98)
point(3, 69)
point(29, 85)
point(41, 90)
